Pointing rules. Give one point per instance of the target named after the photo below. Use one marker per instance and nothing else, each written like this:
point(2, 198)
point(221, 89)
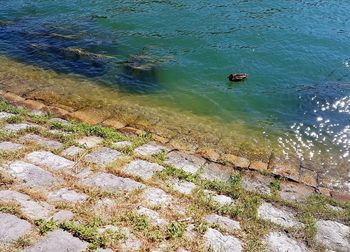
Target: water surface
point(175, 55)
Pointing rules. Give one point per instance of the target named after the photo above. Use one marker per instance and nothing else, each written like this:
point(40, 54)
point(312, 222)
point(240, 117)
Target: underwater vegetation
point(72, 50)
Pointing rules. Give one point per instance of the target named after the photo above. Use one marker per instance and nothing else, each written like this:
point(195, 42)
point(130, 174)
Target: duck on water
point(237, 77)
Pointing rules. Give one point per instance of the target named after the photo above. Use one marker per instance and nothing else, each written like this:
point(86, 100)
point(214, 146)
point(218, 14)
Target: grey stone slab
point(163, 247)
point(104, 250)
point(253, 181)
point(16, 127)
point(334, 208)
point(32, 175)
point(150, 149)
point(5, 115)
point(292, 191)
point(156, 197)
point(65, 194)
point(29, 207)
point(83, 172)
point(142, 169)
point(280, 242)
point(182, 250)
point(190, 232)
point(122, 144)
point(111, 183)
point(185, 162)
point(217, 172)
point(90, 141)
point(12, 228)
point(217, 242)
point(59, 120)
point(105, 203)
point(222, 200)
point(129, 243)
point(278, 216)
point(10, 147)
point(63, 215)
point(333, 235)
point(103, 156)
point(49, 160)
point(183, 187)
point(58, 241)
point(72, 152)
point(223, 222)
point(41, 141)
point(58, 132)
point(153, 216)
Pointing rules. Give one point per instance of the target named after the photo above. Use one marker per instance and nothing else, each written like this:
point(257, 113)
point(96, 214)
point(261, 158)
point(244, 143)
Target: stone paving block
point(49, 160)
point(334, 208)
point(82, 172)
point(184, 187)
point(14, 128)
point(156, 197)
point(190, 232)
point(41, 141)
point(12, 228)
point(32, 209)
point(279, 242)
point(59, 120)
point(90, 141)
point(59, 132)
point(90, 115)
point(235, 160)
point(223, 222)
point(65, 194)
point(129, 243)
point(142, 169)
point(182, 250)
point(63, 215)
point(111, 183)
point(58, 241)
point(292, 191)
point(32, 175)
point(333, 235)
point(258, 166)
point(185, 162)
point(122, 144)
point(5, 115)
point(217, 242)
point(104, 250)
point(213, 171)
point(222, 200)
point(103, 156)
point(253, 181)
point(208, 153)
point(10, 147)
point(150, 149)
point(72, 152)
point(153, 216)
point(278, 216)
point(113, 123)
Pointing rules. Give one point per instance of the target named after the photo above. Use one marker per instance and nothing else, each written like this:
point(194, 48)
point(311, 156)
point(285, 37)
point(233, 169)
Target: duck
point(237, 76)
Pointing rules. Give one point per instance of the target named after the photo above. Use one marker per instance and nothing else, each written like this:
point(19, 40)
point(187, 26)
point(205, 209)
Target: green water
point(295, 52)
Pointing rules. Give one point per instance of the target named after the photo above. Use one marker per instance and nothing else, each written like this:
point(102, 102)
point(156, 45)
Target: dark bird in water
point(237, 77)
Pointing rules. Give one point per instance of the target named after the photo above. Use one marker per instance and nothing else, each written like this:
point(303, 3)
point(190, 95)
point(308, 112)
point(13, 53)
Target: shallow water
point(175, 55)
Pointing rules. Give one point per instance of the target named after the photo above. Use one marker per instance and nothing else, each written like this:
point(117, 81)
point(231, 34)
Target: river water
point(176, 55)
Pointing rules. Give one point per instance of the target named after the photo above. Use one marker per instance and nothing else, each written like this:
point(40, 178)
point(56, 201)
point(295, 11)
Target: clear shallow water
point(295, 52)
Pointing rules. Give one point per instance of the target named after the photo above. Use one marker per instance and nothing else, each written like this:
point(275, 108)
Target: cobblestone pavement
point(67, 186)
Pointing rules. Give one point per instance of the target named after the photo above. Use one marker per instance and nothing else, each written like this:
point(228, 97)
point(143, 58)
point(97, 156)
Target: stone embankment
point(71, 186)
